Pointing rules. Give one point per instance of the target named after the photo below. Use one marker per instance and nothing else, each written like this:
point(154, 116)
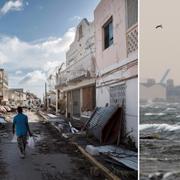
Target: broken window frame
point(108, 33)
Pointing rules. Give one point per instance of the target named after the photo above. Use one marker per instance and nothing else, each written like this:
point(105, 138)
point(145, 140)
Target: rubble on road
point(122, 155)
point(104, 126)
point(3, 134)
point(5, 109)
point(116, 158)
point(2, 120)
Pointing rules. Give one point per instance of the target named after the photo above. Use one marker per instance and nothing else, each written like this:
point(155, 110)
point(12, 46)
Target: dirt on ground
point(54, 158)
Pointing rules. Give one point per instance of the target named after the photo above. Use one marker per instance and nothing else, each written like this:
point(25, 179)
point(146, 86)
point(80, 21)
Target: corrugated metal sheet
point(121, 155)
point(101, 118)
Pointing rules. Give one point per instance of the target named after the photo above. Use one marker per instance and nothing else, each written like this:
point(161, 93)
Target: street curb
point(93, 161)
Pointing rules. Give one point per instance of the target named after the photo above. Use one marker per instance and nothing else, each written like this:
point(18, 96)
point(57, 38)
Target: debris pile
point(121, 155)
point(106, 124)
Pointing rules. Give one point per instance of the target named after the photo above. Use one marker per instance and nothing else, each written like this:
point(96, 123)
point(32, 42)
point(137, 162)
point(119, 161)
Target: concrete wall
point(102, 96)
point(117, 51)
point(132, 108)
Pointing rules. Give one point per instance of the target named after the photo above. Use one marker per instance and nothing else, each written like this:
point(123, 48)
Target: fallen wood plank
point(107, 172)
point(43, 116)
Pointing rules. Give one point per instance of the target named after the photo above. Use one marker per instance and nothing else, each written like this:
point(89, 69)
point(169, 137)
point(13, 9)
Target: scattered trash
point(73, 130)
point(106, 124)
point(130, 162)
point(52, 116)
point(92, 150)
point(124, 156)
point(65, 135)
point(2, 120)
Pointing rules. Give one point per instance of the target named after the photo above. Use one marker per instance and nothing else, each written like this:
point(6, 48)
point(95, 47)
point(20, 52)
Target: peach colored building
point(116, 40)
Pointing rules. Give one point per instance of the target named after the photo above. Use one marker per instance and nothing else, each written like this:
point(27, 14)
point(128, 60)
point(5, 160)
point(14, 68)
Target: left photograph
point(68, 89)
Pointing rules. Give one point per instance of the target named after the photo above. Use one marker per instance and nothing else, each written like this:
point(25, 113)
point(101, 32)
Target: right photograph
point(159, 89)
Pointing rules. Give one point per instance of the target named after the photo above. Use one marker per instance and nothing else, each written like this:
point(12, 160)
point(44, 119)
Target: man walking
point(20, 123)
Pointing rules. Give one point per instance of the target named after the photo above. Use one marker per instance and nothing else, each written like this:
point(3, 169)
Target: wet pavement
point(53, 158)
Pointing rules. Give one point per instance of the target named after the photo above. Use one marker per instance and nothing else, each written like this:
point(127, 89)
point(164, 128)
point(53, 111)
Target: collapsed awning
point(106, 124)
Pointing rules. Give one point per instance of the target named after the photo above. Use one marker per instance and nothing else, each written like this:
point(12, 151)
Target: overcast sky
point(160, 48)
point(34, 36)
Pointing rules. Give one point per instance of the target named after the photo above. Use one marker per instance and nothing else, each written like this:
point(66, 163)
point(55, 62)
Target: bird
point(159, 26)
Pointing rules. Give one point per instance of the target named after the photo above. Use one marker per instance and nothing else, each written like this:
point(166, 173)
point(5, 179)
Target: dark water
point(160, 141)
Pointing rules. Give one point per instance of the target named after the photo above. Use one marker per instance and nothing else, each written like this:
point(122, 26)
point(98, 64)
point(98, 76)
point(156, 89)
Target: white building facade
point(3, 87)
point(76, 84)
point(116, 39)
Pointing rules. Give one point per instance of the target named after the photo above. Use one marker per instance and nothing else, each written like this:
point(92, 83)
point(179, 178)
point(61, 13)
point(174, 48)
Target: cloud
point(20, 54)
point(27, 3)
point(18, 72)
point(75, 18)
point(3, 58)
point(33, 78)
point(51, 67)
point(30, 62)
point(16, 5)
point(33, 81)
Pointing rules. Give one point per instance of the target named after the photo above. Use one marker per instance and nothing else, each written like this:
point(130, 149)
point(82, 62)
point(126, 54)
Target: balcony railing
point(80, 70)
point(132, 39)
point(78, 75)
point(61, 80)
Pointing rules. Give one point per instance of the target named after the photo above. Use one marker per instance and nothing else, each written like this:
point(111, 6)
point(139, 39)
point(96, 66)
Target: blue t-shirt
point(20, 121)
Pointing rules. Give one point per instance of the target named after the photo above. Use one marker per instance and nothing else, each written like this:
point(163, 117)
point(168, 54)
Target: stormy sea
point(160, 141)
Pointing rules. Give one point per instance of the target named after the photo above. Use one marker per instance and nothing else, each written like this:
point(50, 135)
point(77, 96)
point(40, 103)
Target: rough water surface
point(160, 141)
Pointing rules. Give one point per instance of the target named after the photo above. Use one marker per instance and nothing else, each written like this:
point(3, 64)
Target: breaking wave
point(160, 127)
point(160, 131)
point(154, 114)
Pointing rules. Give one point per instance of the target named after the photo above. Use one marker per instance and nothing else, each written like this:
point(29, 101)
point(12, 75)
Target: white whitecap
point(154, 114)
point(164, 127)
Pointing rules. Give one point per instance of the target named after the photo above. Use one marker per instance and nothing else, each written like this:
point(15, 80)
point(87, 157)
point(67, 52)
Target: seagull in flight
point(159, 26)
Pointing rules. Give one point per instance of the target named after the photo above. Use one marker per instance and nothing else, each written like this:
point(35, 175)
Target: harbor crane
point(164, 76)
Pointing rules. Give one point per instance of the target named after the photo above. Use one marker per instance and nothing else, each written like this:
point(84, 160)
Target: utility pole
point(45, 96)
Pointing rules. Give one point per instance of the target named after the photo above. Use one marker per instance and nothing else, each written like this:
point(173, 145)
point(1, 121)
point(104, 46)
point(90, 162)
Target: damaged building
point(102, 66)
point(116, 39)
point(76, 84)
point(3, 87)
